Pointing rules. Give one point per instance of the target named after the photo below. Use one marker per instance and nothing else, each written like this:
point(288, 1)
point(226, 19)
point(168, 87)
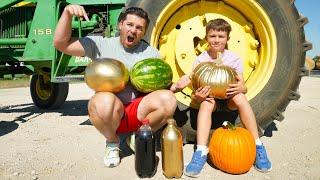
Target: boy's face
point(217, 40)
point(132, 29)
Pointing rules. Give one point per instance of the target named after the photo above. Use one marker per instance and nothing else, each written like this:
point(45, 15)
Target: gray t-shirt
point(97, 47)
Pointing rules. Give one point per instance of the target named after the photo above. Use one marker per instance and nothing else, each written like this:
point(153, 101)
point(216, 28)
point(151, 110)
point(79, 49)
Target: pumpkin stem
point(219, 60)
point(228, 125)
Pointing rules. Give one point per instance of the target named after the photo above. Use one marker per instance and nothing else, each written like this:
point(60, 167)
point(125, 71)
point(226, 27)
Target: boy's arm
point(238, 87)
point(201, 94)
point(183, 82)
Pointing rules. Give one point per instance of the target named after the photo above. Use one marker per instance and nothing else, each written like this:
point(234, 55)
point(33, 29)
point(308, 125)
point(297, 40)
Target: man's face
point(132, 29)
point(217, 40)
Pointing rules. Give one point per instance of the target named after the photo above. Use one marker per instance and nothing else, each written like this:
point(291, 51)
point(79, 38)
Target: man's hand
point(237, 88)
point(76, 10)
point(62, 40)
point(182, 83)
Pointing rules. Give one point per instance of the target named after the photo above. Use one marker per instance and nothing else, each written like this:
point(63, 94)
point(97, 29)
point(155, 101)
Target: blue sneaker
point(262, 162)
point(194, 168)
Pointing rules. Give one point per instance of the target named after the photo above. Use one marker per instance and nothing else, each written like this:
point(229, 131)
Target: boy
point(217, 35)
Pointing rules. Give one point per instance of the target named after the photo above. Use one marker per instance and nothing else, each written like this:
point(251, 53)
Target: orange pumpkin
point(232, 149)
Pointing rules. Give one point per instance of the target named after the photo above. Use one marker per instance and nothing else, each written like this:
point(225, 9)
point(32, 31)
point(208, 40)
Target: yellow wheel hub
point(179, 34)
point(43, 89)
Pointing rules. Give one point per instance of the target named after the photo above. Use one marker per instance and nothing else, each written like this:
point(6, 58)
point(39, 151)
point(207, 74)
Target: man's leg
point(105, 112)
point(157, 106)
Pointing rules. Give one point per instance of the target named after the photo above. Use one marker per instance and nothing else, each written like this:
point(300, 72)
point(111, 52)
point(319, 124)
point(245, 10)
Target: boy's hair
point(218, 25)
point(135, 11)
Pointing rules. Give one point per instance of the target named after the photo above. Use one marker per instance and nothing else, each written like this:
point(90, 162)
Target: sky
point(311, 9)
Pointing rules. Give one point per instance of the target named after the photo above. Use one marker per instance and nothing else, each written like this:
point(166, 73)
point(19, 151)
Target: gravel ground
point(59, 144)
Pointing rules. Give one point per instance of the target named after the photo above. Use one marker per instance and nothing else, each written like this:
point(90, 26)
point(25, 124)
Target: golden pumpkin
point(232, 149)
point(218, 77)
point(108, 75)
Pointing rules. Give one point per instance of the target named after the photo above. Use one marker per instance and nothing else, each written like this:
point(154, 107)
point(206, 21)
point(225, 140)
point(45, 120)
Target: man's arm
point(62, 37)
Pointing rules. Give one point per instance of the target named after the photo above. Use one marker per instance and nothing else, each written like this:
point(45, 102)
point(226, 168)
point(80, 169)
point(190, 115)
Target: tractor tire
point(279, 44)
point(47, 95)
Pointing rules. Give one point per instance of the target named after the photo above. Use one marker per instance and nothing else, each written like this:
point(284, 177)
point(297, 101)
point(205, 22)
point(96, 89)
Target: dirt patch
point(14, 82)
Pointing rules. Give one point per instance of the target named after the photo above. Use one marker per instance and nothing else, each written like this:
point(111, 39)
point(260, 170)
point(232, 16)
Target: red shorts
point(129, 121)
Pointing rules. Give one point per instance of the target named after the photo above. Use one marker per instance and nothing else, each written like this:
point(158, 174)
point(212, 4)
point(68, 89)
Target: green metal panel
point(114, 12)
point(93, 22)
point(79, 61)
point(40, 40)
point(15, 23)
point(30, 37)
point(90, 2)
point(13, 41)
point(7, 3)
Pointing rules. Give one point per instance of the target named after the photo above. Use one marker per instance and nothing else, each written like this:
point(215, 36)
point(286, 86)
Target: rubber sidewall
point(273, 99)
point(59, 93)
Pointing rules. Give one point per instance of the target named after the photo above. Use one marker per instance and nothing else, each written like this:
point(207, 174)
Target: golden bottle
point(172, 153)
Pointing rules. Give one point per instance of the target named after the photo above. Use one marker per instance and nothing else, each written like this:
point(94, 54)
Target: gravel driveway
point(59, 144)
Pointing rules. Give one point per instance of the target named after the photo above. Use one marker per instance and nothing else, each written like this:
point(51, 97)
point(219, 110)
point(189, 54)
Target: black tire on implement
point(58, 93)
point(281, 87)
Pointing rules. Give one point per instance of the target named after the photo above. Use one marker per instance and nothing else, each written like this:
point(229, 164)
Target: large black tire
point(282, 85)
point(54, 94)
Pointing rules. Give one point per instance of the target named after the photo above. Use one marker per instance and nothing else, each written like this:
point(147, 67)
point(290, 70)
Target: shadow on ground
point(69, 108)
point(29, 111)
point(7, 127)
point(268, 132)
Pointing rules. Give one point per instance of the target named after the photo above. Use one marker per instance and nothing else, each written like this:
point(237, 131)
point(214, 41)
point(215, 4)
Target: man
point(122, 112)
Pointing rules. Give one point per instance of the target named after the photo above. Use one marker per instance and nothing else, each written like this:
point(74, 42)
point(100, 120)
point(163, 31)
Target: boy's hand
point(201, 94)
point(182, 83)
point(237, 88)
point(76, 10)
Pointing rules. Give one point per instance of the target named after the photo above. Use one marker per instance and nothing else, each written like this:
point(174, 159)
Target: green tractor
point(267, 34)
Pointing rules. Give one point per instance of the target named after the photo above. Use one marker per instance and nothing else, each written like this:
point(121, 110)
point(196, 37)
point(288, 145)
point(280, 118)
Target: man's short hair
point(135, 11)
point(218, 25)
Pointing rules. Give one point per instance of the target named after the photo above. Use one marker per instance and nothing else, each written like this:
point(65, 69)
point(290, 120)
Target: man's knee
point(100, 103)
point(166, 102)
point(168, 99)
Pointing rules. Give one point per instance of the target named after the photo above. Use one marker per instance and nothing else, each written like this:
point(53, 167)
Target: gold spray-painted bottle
point(172, 153)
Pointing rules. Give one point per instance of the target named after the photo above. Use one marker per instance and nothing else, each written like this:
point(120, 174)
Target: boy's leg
point(248, 119)
point(204, 121)
point(199, 157)
point(246, 114)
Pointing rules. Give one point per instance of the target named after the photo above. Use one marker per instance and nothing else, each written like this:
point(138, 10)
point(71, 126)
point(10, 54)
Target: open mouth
point(130, 39)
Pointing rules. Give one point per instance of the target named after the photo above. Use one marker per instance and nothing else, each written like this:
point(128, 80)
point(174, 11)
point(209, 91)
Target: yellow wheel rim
point(179, 34)
point(43, 91)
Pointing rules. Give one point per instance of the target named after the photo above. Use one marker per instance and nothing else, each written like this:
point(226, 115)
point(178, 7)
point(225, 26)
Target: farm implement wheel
point(267, 34)
point(45, 94)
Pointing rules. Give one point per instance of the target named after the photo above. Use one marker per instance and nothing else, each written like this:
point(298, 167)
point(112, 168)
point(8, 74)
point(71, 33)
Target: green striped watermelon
point(151, 74)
